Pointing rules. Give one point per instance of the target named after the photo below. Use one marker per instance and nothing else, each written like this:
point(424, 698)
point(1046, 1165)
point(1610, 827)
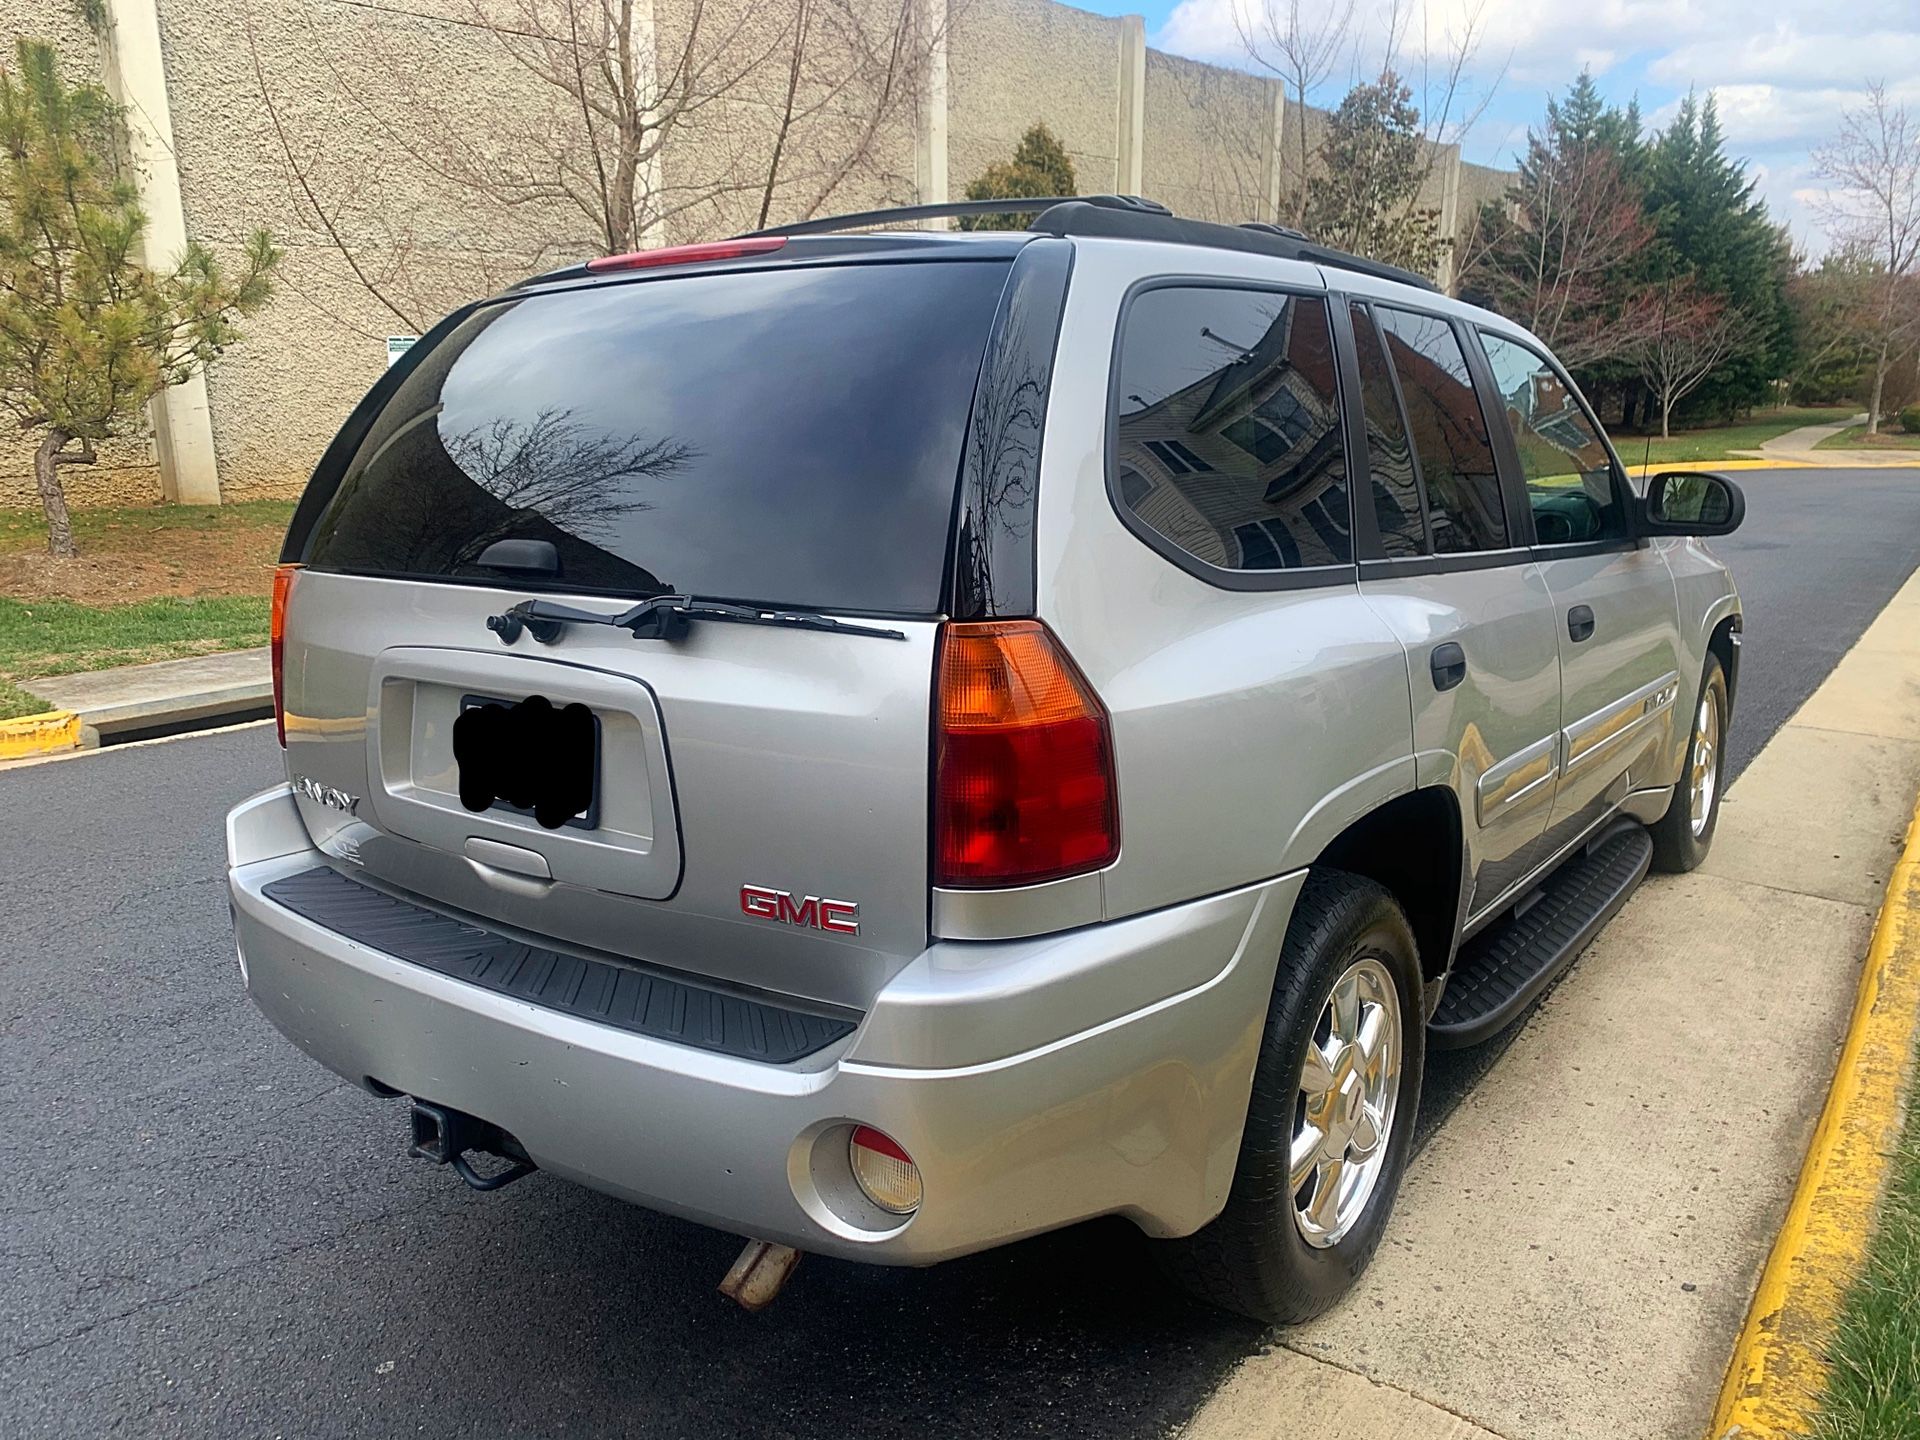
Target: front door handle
point(1449, 664)
point(1580, 623)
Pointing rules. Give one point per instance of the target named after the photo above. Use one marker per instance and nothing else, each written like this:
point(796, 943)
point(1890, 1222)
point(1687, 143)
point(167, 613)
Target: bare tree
point(1695, 334)
point(1873, 165)
point(1299, 44)
point(1557, 253)
point(700, 115)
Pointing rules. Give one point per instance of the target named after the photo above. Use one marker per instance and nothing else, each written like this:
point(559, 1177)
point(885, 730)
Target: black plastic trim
point(622, 996)
point(993, 563)
point(1310, 577)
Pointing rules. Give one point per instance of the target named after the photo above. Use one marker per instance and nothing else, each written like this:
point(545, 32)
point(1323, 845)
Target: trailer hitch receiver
point(445, 1135)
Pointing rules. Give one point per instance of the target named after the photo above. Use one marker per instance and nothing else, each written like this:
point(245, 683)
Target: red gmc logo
point(840, 916)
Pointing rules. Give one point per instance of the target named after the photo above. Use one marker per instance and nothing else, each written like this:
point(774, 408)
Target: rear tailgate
point(779, 437)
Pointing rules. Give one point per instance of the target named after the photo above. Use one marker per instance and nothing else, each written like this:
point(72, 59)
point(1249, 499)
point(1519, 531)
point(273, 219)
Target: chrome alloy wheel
point(1704, 781)
point(1349, 1084)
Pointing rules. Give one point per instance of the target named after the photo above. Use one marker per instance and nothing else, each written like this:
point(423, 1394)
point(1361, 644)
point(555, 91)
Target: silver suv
point(891, 743)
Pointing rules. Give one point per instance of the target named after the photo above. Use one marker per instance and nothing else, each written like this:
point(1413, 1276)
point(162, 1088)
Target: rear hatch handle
point(663, 617)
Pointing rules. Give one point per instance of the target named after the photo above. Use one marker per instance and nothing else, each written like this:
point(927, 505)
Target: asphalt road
point(202, 1235)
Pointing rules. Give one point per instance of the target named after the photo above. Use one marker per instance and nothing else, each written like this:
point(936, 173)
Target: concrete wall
point(386, 108)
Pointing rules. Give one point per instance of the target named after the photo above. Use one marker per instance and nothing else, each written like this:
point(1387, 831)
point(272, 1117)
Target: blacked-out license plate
point(531, 756)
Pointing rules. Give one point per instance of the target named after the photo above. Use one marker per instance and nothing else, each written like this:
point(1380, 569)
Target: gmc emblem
point(840, 916)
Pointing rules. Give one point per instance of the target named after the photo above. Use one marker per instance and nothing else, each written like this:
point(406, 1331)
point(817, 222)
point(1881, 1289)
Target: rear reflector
point(687, 254)
point(885, 1173)
point(1023, 761)
point(276, 642)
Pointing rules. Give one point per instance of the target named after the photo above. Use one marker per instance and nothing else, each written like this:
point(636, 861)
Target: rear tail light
point(1023, 761)
point(276, 643)
point(885, 1173)
point(687, 254)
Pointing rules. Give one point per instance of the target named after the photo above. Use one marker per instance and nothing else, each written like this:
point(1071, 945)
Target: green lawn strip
point(59, 637)
point(26, 529)
point(1720, 442)
point(1854, 437)
point(1873, 1378)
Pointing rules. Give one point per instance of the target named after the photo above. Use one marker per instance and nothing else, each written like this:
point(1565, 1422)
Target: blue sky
point(1781, 70)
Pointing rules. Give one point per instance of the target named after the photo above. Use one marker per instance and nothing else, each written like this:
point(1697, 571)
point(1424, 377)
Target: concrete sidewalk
point(236, 684)
point(1799, 447)
point(1574, 1252)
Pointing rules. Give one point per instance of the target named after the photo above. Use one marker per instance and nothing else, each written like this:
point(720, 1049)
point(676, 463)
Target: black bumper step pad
point(1501, 970)
point(644, 1002)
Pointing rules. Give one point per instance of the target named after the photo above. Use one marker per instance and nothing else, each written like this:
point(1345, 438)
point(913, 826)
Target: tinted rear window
point(789, 436)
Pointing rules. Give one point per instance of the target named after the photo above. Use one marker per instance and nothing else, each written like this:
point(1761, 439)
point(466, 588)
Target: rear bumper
point(1036, 1082)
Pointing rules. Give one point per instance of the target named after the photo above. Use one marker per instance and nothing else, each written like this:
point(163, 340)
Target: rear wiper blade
point(664, 617)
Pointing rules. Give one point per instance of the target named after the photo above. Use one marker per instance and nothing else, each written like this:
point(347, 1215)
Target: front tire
point(1682, 836)
point(1330, 1120)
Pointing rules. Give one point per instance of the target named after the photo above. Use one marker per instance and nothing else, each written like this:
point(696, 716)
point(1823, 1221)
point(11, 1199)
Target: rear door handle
point(1580, 623)
point(1449, 664)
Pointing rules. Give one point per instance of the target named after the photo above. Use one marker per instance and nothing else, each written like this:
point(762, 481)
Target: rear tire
point(1683, 836)
point(1284, 1252)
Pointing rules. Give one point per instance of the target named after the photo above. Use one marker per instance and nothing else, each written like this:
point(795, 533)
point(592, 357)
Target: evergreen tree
point(1040, 168)
point(88, 334)
point(1711, 227)
point(1371, 164)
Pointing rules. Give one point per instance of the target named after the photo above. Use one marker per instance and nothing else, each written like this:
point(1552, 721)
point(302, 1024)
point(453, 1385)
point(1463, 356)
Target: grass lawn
point(1873, 1383)
point(1719, 442)
point(1856, 438)
point(60, 637)
point(152, 583)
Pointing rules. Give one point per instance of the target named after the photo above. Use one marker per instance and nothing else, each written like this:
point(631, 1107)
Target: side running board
point(1501, 970)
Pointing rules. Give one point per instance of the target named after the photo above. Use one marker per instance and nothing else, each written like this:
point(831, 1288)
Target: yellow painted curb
point(1799, 463)
point(38, 734)
point(1778, 1372)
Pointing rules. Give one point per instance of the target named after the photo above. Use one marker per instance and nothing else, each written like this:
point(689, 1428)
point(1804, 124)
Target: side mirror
point(1692, 502)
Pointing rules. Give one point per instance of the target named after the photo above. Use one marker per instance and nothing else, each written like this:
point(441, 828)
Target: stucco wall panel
point(1208, 138)
point(1014, 62)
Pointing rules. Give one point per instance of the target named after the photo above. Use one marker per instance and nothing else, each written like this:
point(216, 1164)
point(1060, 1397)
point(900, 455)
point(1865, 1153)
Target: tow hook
point(445, 1135)
point(759, 1274)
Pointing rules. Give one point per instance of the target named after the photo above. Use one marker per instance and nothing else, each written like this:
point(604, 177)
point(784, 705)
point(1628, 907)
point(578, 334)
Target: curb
point(39, 734)
point(1798, 462)
point(1778, 1371)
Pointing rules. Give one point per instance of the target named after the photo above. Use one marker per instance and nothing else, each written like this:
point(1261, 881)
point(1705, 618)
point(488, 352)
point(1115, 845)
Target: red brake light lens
point(687, 254)
point(276, 643)
point(1024, 785)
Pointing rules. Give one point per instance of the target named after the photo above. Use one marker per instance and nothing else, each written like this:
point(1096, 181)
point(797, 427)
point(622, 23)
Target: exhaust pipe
point(444, 1135)
point(759, 1274)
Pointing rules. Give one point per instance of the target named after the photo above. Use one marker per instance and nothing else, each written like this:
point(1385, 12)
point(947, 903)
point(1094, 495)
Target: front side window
point(1449, 432)
point(1569, 474)
point(1227, 433)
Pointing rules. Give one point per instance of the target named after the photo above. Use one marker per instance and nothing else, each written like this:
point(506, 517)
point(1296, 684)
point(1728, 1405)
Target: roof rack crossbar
point(960, 210)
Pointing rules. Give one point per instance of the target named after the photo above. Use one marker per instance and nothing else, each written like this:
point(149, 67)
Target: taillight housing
point(1024, 787)
point(277, 645)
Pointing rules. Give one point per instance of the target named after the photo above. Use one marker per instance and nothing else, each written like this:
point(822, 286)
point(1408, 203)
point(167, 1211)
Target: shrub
point(1910, 419)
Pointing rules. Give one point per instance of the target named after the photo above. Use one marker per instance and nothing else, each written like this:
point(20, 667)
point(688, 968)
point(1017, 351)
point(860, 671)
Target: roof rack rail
point(960, 210)
point(1127, 217)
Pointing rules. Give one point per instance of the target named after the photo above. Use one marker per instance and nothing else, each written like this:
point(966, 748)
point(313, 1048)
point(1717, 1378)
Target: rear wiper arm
point(663, 617)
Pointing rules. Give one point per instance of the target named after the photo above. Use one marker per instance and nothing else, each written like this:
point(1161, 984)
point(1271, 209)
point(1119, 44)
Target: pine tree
point(1711, 227)
point(1370, 166)
point(1040, 168)
point(88, 334)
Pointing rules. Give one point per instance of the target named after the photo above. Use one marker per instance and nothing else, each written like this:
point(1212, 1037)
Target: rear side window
point(1227, 437)
point(1396, 488)
point(790, 436)
point(1569, 474)
point(1449, 432)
